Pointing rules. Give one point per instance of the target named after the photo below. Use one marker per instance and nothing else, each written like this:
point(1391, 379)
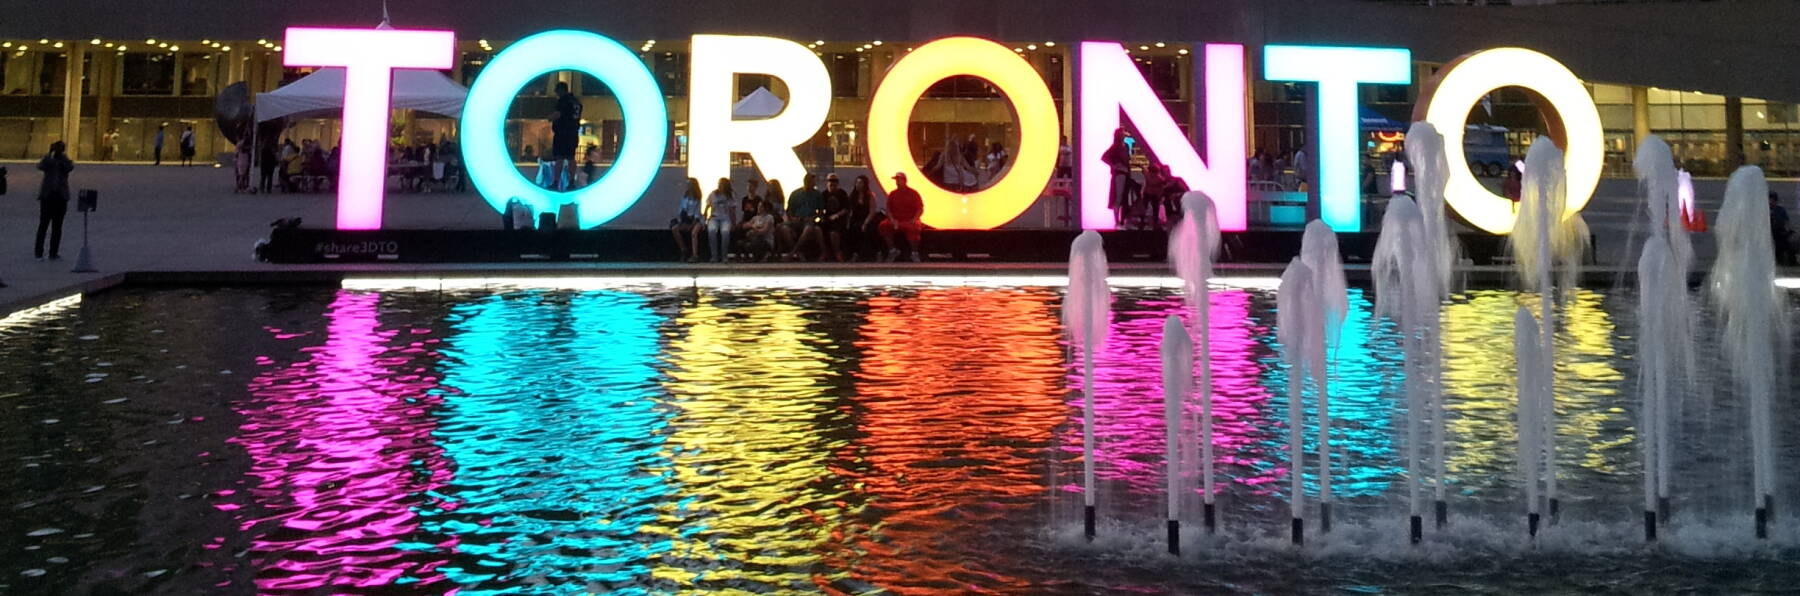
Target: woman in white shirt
point(721, 217)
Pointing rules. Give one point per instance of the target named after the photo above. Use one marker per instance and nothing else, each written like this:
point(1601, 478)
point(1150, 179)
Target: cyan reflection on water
point(651, 440)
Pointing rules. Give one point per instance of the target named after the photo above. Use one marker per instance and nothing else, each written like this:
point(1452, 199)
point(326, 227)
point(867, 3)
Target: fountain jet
point(1193, 247)
point(1756, 323)
point(1087, 313)
point(1178, 377)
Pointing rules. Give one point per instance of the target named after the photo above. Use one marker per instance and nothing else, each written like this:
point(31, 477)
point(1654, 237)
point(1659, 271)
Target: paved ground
point(187, 219)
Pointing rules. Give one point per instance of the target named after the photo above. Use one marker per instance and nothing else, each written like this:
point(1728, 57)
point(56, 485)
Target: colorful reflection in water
point(904, 440)
point(754, 422)
point(1594, 432)
point(550, 420)
point(957, 396)
point(1129, 395)
point(1364, 384)
point(340, 443)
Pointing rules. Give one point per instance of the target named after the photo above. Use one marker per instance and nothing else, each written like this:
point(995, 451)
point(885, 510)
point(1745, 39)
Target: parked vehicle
point(1485, 148)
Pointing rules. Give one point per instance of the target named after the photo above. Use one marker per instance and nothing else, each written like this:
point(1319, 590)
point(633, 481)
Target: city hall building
point(1718, 85)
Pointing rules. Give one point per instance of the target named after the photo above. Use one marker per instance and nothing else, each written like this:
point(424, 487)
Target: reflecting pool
point(886, 439)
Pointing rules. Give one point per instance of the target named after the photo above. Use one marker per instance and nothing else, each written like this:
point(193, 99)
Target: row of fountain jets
point(1412, 268)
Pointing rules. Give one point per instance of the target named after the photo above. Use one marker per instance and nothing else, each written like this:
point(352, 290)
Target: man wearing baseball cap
point(904, 210)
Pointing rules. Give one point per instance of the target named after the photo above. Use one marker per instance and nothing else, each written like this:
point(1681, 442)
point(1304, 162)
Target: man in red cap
point(904, 209)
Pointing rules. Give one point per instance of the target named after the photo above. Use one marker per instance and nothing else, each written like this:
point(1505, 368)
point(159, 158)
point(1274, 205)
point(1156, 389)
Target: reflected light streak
point(340, 448)
point(749, 279)
point(749, 393)
point(965, 375)
point(1478, 387)
point(42, 311)
point(556, 460)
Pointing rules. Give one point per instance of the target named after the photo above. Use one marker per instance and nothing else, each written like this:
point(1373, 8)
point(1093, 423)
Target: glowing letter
point(770, 141)
point(368, 57)
point(891, 110)
point(1568, 109)
point(1338, 71)
point(489, 164)
point(1110, 82)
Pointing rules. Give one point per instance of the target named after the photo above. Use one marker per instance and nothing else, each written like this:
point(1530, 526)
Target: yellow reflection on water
point(750, 393)
point(1480, 376)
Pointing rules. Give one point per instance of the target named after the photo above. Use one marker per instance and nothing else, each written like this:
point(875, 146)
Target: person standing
point(110, 145)
point(721, 217)
point(1780, 233)
point(1118, 160)
point(565, 133)
point(905, 207)
point(265, 159)
point(157, 144)
point(53, 199)
point(187, 146)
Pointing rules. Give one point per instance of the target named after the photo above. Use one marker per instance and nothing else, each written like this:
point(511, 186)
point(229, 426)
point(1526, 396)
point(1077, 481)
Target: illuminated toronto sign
point(1112, 95)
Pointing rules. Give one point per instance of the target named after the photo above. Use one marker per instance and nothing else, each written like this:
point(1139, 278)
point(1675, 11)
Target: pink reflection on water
point(340, 447)
point(1128, 400)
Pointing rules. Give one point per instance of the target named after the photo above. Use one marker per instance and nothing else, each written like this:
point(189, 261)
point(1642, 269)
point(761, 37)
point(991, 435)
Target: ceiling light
point(94, 41)
point(260, 42)
point(205, 42)
point(1049, 44)
point(5, 44)
point(150, 42)
point(277, 48)
point(877, 42)
point(58, 45)
point(174, 48)
point(1144, 48)
point(1032, 47)
point(226, 48)
point(48, 41)
point(1160, 44)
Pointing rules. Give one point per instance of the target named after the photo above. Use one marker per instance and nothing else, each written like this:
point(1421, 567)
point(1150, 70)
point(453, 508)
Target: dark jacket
point(56, 168)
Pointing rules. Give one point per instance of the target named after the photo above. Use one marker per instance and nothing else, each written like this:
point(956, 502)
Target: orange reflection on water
point(959, 393)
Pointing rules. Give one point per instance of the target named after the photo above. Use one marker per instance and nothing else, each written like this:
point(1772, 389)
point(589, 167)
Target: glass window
point(1053, 74)
point(1163, 73)
point(747, 83)
point(472, 64)
point(844, 69)
point(671, 70)
point(963, 87)
point(147, 74)
point(198, 71)
point(51, 75)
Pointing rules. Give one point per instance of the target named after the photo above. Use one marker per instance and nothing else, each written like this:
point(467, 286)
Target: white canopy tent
point(760, 103)
point(323, 92)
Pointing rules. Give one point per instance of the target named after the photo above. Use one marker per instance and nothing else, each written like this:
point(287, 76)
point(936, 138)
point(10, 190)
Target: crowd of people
point(967, 167)
point(810, 224)
point(1151, 203)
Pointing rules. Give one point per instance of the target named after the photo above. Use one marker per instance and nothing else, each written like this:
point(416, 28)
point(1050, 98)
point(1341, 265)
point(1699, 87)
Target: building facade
point(108, 82)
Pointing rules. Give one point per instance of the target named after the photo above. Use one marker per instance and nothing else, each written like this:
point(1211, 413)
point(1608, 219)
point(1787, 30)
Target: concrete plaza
point(187, 219)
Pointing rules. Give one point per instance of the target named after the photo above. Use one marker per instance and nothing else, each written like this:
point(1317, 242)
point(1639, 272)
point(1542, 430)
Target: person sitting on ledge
point(905, 207)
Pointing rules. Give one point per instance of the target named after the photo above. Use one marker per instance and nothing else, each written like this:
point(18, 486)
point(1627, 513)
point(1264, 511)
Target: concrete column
point(1734, 133)
point(234, 68)
point(176, 56)
point(1640, 115)
point(71, 119)
point(106, 66)
point(1069, 85)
